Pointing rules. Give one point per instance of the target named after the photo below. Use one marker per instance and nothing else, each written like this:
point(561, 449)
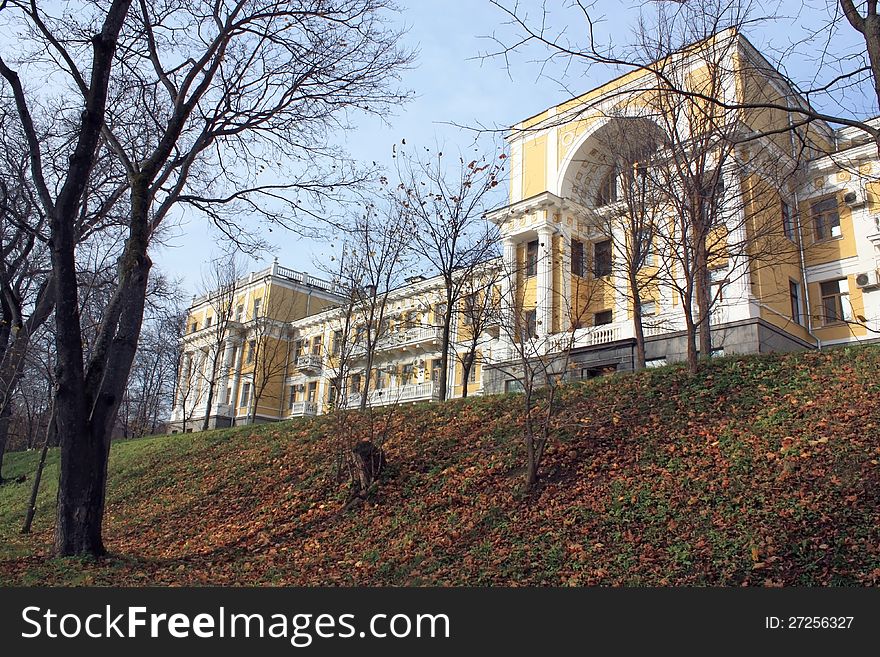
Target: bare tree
point(221, 284)
point(538, 365)
point(479, 319)
point(377, 257)
point(630, 213)
point(195, 103)
point(447, 205)
point(841, 69)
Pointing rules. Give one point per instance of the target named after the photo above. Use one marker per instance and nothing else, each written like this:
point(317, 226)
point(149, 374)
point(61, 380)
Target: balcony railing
point(413, 336)
point(303, 408)
point(309, 363)
point(411, 392)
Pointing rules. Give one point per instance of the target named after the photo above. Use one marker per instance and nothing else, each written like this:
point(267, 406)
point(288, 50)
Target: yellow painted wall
point(831, 250)
point(534, 167)
point(837, 331)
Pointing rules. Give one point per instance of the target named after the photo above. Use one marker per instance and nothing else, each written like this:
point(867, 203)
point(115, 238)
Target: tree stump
point(366, 463)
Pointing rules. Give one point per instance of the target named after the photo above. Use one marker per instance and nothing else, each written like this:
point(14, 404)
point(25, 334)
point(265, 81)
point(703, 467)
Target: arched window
point(607, 192)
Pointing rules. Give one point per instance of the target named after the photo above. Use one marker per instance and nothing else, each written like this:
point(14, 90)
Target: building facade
point(790, 241)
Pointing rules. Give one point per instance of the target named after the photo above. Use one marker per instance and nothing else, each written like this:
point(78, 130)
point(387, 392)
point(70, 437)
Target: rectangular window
point(602, 258)
point(406, 374)
point(472, 375)
point(356, 383)
point(208, 320)
point(251, 348)
point(577, 257)
point(603, 317)
point(826, 220)
point(291, 399)
point(239, 312)
point(788, 221)
point(316, 345)
point(313, 391)
point(257, 304)
point(794, 291)
point(835, 302)
point(245, 394)
point(228, 397)
point(194, 327)
point(512, 385)
point(469, 310)
point(646, 248)
point(532, 258)
point(337, 341)
point(297, 351)
point(530, 323)
point(648, 308)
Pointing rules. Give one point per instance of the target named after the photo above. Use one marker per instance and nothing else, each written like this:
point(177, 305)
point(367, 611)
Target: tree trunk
point(5, 414)
point(638, 326)
point(444, 345)
point(703, 300)
point(38, 475)
point(86, 403)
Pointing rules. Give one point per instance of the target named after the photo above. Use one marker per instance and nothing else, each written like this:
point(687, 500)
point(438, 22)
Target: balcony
point(309, 363)
point(303, 409)
point(412, 392)
point(413, 336)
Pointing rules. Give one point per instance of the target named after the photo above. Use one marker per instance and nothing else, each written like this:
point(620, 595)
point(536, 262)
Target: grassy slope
point(761, 470)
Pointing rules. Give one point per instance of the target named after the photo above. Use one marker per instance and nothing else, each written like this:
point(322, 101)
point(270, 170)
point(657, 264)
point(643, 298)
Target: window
point(826, 221)
point(603, 317)
point(469, 310)
point(380, 380)
point(472, 375)
point(356, 383)
point(532, 258)
point(257, 304)
point(530, 323)
point(788, 221)
point(252, 347)
point(648, 308)
point(228, 397)
point(208, 320)
point(435, 371)
point(297, 351)
point(835, 302)
point(337, 341)
point(406, 374)
point(439, 313)
point(194, 327)
point(291, 399)
point(316, 345)
point(239, 312)
point(577, 257)
point(602, 258)
point(794, 291)
point(313, 391)
point(245, 394)
point(646, 248)
point(607, 192)
point(512, 385)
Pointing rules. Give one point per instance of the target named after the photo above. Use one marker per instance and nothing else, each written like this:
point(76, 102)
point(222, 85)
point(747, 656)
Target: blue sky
point(454, 85)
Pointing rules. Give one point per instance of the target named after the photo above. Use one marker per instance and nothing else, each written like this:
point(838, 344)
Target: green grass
point(759, 471)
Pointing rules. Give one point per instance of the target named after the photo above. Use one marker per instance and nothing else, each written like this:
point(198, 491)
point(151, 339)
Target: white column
point(236, 377)
point(508, 293)
point(565, 300)
point(545, 281)
point(184, 382)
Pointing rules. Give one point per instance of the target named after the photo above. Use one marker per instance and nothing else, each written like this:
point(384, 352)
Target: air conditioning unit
point(867, 280)
point(854, 199)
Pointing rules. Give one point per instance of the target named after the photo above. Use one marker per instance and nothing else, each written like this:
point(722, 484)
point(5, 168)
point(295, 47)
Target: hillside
point(759, 471)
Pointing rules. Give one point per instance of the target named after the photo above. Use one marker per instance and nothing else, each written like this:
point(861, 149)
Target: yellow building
point(792, 248)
